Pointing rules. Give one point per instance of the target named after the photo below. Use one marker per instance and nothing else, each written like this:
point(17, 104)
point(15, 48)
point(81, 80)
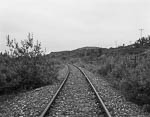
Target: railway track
point(76, 97)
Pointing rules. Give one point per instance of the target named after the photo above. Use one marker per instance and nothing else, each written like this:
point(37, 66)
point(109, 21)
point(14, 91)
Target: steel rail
point(98, 96)
point(55, 95)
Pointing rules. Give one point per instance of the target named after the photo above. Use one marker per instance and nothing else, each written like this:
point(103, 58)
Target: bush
point(128, 74)
point(104, 69)
point(25, 67)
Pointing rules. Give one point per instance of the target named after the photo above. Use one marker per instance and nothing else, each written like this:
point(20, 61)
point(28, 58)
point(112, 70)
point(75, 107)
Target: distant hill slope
point(80, 52)
point(96, 52)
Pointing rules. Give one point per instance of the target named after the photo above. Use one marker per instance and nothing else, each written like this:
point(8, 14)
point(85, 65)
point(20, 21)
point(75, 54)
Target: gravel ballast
point(114, 100)
point(76, 99)
point(31, 103)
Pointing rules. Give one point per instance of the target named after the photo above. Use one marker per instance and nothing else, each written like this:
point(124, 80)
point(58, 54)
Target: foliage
point(127, 69)
point(143, 42)
point(25, 67)
point(132, 80)
point(27, 48)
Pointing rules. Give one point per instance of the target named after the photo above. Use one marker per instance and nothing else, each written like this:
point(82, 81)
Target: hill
point(78, 53)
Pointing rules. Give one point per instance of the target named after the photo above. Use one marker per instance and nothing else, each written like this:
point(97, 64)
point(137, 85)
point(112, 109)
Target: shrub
point(25, 67)
point(105, 69)
point(128, 74)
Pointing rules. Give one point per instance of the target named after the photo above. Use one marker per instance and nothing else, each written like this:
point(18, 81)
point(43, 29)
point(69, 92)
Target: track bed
point(76, 98)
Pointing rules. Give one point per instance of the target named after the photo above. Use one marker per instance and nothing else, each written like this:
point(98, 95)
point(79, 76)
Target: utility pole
point(141, 30)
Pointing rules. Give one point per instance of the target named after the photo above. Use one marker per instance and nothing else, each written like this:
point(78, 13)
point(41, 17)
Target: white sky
point(69, 24)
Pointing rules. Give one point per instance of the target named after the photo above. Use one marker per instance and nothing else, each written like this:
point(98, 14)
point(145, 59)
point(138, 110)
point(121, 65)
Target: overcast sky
point(70, 24)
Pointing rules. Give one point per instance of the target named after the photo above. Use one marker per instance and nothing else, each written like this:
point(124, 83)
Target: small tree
point(27, 47)
point(27, 61)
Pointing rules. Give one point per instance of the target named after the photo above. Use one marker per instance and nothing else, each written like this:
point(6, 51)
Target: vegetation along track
point(76, 97)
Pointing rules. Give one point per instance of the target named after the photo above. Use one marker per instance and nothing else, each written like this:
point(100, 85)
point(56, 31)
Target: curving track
point(76, 97)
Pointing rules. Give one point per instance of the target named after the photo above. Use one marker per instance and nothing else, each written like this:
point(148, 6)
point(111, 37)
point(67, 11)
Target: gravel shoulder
point(114, 100)
point(31, 103)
